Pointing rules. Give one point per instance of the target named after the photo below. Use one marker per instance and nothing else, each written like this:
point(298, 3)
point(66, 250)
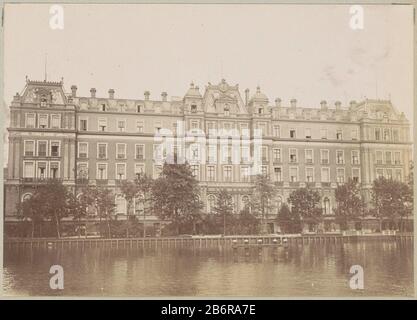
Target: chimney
point(352, 103)
point(278, 102)
point(323, 104)
point(293, 103)
point(338, 105)
point(246, 96)
point(111, 93)
point(164, 96)
point(73, 91)
point(93, 92)
point(147, 94)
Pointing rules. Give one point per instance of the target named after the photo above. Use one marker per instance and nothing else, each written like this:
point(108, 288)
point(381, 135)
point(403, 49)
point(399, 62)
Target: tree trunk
point(58, 234)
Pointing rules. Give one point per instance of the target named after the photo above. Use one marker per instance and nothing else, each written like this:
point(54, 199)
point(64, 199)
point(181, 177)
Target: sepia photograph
point(208, 150)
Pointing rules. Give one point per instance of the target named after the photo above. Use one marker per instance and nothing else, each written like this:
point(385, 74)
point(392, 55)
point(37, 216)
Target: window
point(264, 170)
point(293, 174)
point(139, 126)
point(279, 204)
point(278, 174)
point(388, 173)
point(308, 133)
point(276, 131)
point(276, 154)
point(30, 120)
point(158, 152)
point(388, 157)
point(386, 134)
point(323, 133)
point(244, 129)
point(102, 151)
point(398, 174)
point(395, 135)
point(324, 156)
point(226, 154)
point(103, 107)
point(195, 125)
point(379, 173)
point(29, 147)
point(355, 157)
point(42, 148)
point(227, 173)
point(245, 153)
point(262, 127)
point(211, 173)
point(340, 175)
point(378, 156)
point(292, 133)
point(121, 125)
point(210, 126)
point(309, 174)
point(43, 121)
point(121, 150)
point(82, 170)
point(83, 150)
point(83, 124)
point(120, 171)
point(195, 171)
point(326, 206)
point(101, 171)
point(265, 154)
point(55, 152)
point(120, 203)
point(158, 127)
point(195, 152)
point(293, 155)
point(340, 157)
point(211, 203)
point(139, 109)
point(54, 170)
point(55, 121)
point(212, 153)
point(157, 170)
point(139, 169)
point(377, 134)
point(260, 110)
point(29, 170)
point(226, 112)
point(339, 135)
point(325, 175)
point(354, 134)
point(244, 174)
point(102, 124)
point(41, 170)
point(193, 108)
point(397, 157)
point(356, 175)
point(309, 156)
point(139, 152)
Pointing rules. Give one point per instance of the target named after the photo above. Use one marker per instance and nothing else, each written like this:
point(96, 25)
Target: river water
point(313, 270)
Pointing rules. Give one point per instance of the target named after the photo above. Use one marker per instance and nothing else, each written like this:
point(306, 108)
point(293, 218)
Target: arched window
point(26, 196)
point(211, 203)
point(120, 204)
point(326, 206)
point(226, 111)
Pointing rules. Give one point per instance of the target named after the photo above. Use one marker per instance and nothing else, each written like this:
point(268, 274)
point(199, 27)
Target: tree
point(144, 185)
point(176, 195)
point(29, 210)
point(224, 207)
point(261, 202)
point(304, 203)
point(392, 200)
point(285, 218)
point(129, 190)
point(349, 202)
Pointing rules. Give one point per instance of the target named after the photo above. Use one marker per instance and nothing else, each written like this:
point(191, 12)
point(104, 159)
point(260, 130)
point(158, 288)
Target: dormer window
point(260, 110)
point(43, 102)
point(193, 108)
point(139, 109)
point(226, 111)
point(103, 107)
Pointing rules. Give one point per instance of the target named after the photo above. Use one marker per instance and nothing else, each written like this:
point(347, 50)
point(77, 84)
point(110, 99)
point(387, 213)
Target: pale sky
point(307, 52)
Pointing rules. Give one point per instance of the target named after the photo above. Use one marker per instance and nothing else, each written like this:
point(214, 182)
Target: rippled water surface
point(301, 270)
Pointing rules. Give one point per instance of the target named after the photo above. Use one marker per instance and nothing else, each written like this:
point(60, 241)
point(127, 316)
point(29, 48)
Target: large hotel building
point(102, 140)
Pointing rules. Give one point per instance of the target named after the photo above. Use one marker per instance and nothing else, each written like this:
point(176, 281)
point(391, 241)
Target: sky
point(307, 52)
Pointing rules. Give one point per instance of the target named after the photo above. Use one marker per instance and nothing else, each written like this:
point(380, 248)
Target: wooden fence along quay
point(234, 242)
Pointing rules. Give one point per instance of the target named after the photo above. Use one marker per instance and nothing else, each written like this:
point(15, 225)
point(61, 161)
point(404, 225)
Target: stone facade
point(100, 140)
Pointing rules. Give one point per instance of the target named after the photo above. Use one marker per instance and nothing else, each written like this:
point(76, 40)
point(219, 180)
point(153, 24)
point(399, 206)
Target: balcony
point(325, 184)
point(81, 181)
point(102, 181)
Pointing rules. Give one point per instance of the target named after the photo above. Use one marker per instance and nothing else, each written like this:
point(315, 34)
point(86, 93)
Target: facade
point(102, 140)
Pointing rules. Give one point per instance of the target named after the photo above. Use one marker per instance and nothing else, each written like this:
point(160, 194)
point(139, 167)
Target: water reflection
point(316, 269)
